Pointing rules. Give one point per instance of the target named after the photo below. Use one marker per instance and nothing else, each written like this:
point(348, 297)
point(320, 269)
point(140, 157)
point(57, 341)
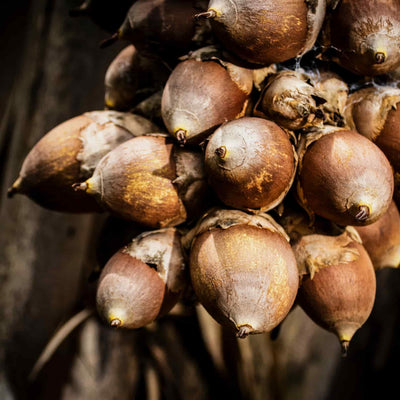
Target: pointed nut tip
point(220, 151)
point(244, 331)
point(206, 15)
point(363, 213)
point(380, 57)
point(80, 186)
point(15, 188)
point(345, 348)
point(115, 323)
point(181, 136)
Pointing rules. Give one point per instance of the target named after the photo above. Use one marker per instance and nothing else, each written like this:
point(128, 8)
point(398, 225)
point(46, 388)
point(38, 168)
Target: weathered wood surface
point(44, 255)
point(46, 258)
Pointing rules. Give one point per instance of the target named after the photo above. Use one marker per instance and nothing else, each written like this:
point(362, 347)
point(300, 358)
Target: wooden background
point(52, 69)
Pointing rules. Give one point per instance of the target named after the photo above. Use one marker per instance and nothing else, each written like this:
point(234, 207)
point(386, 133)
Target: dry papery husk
point(250, 163)
point(151, 181)
point(69, 153)
point(335, 91)
point(365, 35)
point(164, 26)
point(381, 239)
point(143, 280)
point(342, 176)
point(338, 286)
point(243, 270)
point(131, 77)
point(268, 32)
point(202, 92)
point(291, 100)
point(318, 251)
point(373, 112)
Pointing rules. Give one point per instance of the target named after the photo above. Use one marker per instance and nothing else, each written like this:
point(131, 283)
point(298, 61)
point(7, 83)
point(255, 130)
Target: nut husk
point(250, 163)
point(291, 100)
point(338, 292)
point(131, 77)
point(343, 177)
point(365, 36)
point(69, 153)
point(243, 270)
point(268, 32)
point(331, 87)
point(201, 93)
point(148, 180)
point(142, 281)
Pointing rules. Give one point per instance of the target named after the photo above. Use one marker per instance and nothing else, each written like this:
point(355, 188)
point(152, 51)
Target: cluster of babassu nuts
point(235, 172)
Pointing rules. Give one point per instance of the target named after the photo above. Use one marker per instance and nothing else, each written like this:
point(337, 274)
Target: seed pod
point(338, 287)
point(343, 176)
point(131, 77)
point(243, 270)
point(201, 95)
point(104, 13)
point(142, 281)
point(250, 163)
point(291, 100)
point(373, 112)
point(382, 239)
point(161, 26)
point(268, 32)
point(69, 153)
point(365, 35)
point(149, 181)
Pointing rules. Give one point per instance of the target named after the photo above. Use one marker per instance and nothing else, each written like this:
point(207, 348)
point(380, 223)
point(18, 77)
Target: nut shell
point(245, 276)
point(143, 280)
point(52, 166)
point(345, 178)
point(199, 96)
point(250, 163)
point(69, 153)
point(134, 181)
point(268, 32)
point(131, 77)
point(366, 36)
point(389, 139)
point(129, 291)
point(143, 180)
point(340, 296)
